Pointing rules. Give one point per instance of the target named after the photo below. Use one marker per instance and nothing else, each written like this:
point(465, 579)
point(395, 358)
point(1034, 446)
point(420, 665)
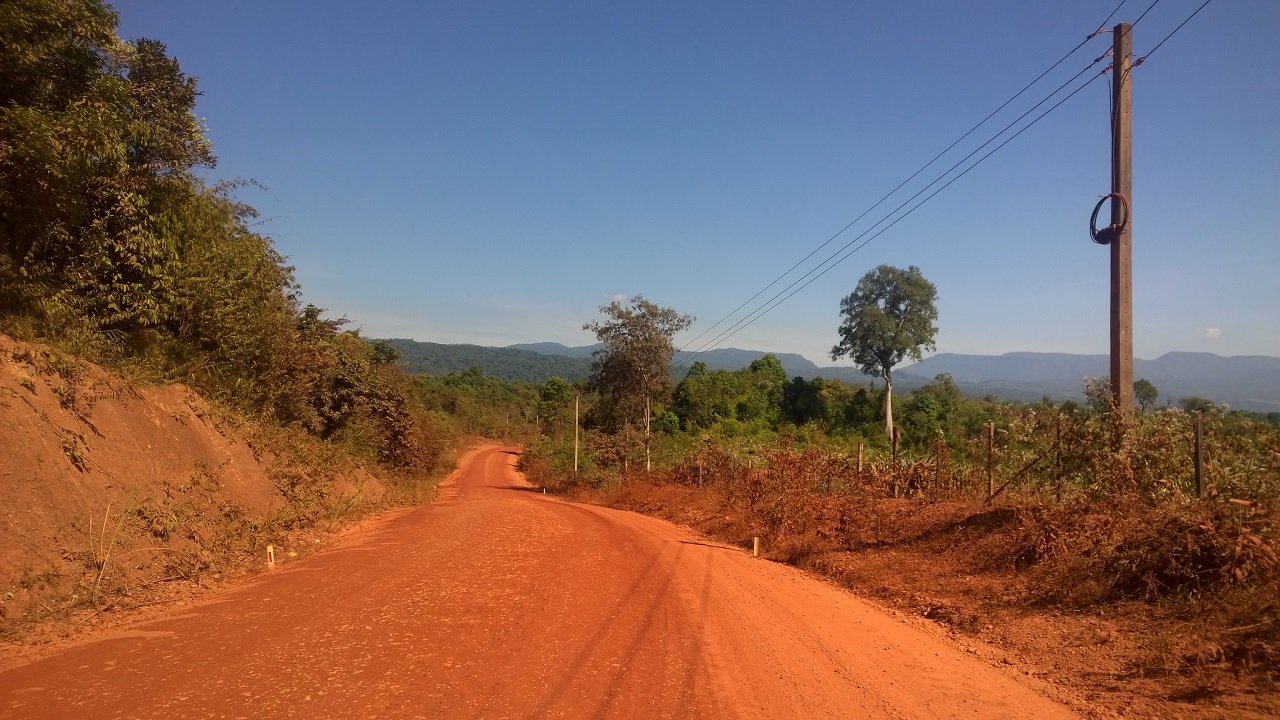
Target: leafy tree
point(802, 401)
point(666, 421)
point(704, 398)
point(163, 98)
point(1097, 393)
point(862, 412)
point(942, 408)
point(888, 317)
point(98, 139)
point(1198, 404)
point(1145, 393)
point(765, 380)
point(554, 398)
point(633, 368)
point(751, 395)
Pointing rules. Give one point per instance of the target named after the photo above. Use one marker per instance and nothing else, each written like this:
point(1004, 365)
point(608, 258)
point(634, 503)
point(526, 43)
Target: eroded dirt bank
point(113, 494)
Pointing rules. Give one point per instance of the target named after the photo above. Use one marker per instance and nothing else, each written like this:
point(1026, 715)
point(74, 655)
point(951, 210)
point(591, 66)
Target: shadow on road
point(710, 545)
point(521, 488)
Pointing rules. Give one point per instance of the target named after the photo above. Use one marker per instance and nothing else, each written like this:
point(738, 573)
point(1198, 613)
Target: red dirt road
point(500, 602)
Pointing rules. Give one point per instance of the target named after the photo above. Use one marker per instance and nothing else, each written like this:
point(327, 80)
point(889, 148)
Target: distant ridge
point(718, 359)
point(551, 348)
point(430, 358)
point(1247, 382)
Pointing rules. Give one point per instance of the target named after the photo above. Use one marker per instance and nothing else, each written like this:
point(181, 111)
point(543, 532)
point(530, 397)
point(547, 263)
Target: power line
point(1144, 12)
point(746, 320)
point(1101, 29)
point(761, 313)
point(1142, 59)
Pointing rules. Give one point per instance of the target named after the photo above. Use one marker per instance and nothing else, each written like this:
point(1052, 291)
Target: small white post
point(271, 557)
point(755, 546)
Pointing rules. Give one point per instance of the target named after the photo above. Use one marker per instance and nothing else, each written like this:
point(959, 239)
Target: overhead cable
point(740, 324)
point(1143, 59)
point(765, 310)
point(1144, 12)
point(1101, 29)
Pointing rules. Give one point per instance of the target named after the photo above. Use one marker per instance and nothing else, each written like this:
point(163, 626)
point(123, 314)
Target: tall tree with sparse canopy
point(888, 318)
point(633, 369)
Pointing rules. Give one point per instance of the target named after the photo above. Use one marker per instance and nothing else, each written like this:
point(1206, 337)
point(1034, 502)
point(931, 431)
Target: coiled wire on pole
point(1106, 235)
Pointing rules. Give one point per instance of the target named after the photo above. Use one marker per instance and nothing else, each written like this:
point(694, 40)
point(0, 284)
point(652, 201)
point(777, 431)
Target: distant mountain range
point(718, 359)
point(1247, 382)
point(509, 363)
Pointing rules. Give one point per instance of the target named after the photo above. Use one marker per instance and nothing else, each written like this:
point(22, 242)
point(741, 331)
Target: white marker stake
point(271, 556)
point(755, 550)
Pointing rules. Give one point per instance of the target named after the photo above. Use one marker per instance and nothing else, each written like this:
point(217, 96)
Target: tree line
point(890, 316)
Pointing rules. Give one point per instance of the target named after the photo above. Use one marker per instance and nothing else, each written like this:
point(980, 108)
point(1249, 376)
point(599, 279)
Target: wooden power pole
point(1122, 215)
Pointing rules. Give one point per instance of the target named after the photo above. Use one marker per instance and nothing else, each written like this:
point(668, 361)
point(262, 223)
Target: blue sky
point(492, 172)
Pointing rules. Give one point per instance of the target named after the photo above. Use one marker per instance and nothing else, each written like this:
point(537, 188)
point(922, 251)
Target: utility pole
point(1122, 217)
point(575, 434)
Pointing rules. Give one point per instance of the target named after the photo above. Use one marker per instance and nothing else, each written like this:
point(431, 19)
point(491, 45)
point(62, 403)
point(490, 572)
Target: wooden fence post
point(859, 462)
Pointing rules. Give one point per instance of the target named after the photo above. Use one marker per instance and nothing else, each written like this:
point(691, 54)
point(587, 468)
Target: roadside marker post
point(271, 557)
point(755, 546)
